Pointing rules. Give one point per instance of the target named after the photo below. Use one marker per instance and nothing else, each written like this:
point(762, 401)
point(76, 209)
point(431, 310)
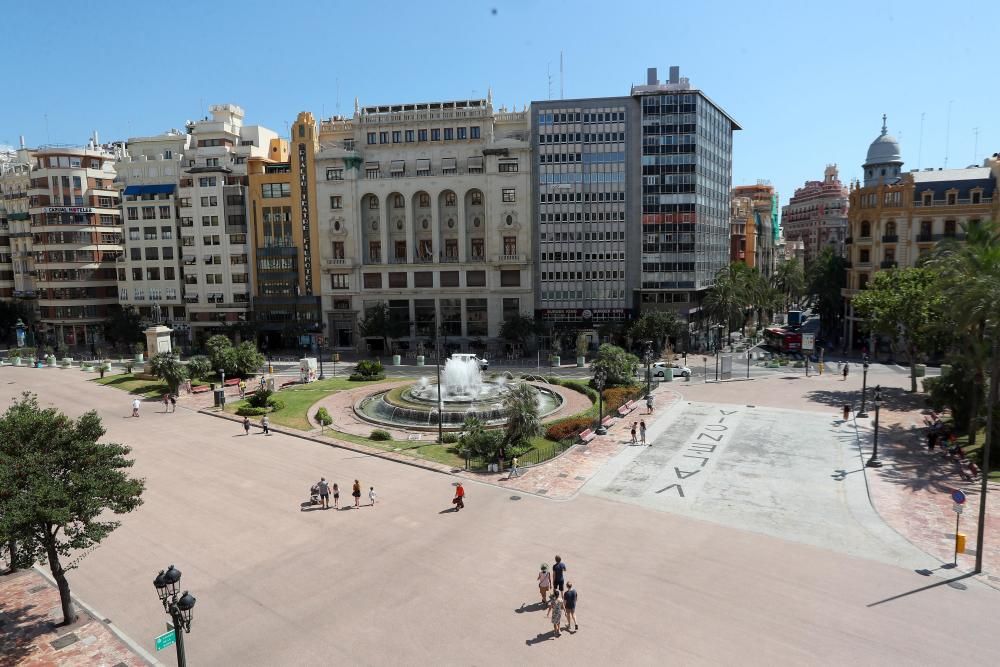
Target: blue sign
point(958, 496)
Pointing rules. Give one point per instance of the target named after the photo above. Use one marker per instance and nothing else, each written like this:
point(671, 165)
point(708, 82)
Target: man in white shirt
point(135, 407)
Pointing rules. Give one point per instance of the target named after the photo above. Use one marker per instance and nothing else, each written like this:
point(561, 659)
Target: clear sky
point(808, 81)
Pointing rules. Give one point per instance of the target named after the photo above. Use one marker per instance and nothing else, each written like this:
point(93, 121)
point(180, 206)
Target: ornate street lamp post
point(864, 387)
point(873, 462)
point(648, 358)
point(167, 584)
point(600, 377)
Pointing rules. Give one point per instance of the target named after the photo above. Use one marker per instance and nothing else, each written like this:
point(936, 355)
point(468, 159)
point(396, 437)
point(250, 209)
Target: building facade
point(76, 241)
point(817, 215)
point(17, 274)
point(896, 217)
point(754, 229)
point(425, 208)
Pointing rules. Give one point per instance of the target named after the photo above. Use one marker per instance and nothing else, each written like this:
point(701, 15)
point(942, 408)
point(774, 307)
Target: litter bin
point(220, 398)
point(668, 374)
point(396, 360)
point(920, 370)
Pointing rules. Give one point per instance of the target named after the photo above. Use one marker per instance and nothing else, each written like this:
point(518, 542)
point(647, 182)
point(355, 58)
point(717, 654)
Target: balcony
point(864, 239)
point(448, 259)
point(338, 263)
point(888, 264)
point(890, 238)
point(423, 259)
point(848, 241)
point(925, 237)
point(397, 260)
point(511, 259)
point(476, 258)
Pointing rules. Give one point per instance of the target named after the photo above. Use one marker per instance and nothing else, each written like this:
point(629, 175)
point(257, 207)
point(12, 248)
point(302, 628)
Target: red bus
point(782, 340)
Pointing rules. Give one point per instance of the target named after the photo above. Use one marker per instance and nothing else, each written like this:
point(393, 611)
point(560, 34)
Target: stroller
point(314, 494)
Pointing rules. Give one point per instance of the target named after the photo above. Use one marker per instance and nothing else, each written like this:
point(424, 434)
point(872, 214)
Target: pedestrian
point(846, 366)
point(356, 492)
point(634, 426)
point(558, 572)
point(569, 601)
point(166, 403)
point(649, 404)
point(324, 492)
point(266, 425)
point(246, 425)
point(371, 495)
point(173, 402)
point(135, 407)
point(544, 583)
point(513, 469)
point(336, 497)
point(243, 388)
point(555, 610)
point(642, 431)
point(459, 498)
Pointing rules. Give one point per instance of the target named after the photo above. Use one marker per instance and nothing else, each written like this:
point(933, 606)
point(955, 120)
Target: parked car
point(484, 364)
point(658, 368)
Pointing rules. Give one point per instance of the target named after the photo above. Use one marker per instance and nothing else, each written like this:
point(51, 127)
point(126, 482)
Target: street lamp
point(648, 358)
point(600, 377)
point(167, 584)
point(864, 387)
point(873, 462)
point(440, 401)
point(319, 348)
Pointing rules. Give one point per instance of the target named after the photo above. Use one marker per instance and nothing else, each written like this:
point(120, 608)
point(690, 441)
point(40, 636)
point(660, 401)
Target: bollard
point(959, 543)
point(847, 411)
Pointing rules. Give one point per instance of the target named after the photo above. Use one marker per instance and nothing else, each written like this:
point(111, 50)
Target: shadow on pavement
point(953, 582)
point(893, 398)
point(913, 466)
point(20, 628)
point(535, 606)
point(538, 639)
point(841, 475)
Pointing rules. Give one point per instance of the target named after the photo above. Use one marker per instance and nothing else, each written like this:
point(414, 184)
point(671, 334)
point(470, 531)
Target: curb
point(100, 618)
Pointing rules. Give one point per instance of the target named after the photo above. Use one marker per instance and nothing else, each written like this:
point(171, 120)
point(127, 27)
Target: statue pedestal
point(157, 342)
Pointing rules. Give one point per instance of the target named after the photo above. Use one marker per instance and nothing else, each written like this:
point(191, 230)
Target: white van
point(467, 356)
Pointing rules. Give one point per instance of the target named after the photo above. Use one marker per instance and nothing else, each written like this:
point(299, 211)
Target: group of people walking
point(325, 489)
point(265, 425)
point(642, 432)
point(561, 599)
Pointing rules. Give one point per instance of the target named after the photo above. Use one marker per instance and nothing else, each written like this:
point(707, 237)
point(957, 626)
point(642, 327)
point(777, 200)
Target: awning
point(150, 189)
point(371, 165)
point(423, 164)
point(449, 163)
point(397, 165)
point(476, 162)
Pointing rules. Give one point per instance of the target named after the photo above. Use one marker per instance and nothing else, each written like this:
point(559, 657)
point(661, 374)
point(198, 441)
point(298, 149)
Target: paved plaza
point(767, 559)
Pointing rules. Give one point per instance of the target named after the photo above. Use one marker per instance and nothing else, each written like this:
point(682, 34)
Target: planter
point(139, 358)
point(555, 362)
point(50, 361)
point(17, 361)
point(945, 369)
point(87, 367)
point(581, 361)
point(920, 370)
point(106, 366)
point(396, 360)
point(420, 360)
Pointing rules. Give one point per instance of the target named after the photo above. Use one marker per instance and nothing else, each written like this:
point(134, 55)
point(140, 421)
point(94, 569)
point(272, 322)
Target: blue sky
point(807, 81)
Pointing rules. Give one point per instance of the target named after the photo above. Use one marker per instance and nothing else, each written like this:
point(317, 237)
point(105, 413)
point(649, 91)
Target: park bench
point(607, 421)
point(200, 389)
point(232, 382)
point(627, 408)
point(588, 435)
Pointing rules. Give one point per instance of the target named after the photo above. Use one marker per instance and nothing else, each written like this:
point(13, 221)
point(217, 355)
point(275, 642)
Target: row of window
point(582, 236)
point(581, 117)
point(436, 134)
point(582, 217)
point(552, 276)
point(581, 137)
point(580, 256)
point(149, 212)
point(276, 190)
point(150, 234)
point(425, 279)
point(577, 177)
point(136, 254)
point(594, 292)
point(153, 273)
point(64, 161)
point(551, 198)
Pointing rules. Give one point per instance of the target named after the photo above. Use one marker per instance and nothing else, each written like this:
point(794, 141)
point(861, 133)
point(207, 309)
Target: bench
point(200, 389)
point(232, 382)
point(588, 435)
point(627, 408)
point(607, 421)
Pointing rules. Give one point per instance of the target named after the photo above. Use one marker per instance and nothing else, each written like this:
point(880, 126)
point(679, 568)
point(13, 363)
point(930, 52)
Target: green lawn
point(975, 452)
point(299, 398)
point(133, 385)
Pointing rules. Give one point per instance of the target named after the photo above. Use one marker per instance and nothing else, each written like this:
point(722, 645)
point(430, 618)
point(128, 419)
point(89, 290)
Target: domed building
point(883, 164)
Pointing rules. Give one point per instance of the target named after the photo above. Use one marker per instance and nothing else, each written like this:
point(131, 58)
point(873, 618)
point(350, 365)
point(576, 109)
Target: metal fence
point(531, 458)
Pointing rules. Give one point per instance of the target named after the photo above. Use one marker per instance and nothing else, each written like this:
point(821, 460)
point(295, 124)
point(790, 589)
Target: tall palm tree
point(790, 281)
point(725, 302)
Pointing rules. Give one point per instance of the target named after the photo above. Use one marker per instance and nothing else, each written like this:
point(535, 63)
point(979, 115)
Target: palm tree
point(790, 281)
point(520, 404)
point(726, 300)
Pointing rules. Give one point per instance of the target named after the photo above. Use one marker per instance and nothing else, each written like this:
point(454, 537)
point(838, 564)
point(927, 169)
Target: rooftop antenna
point(561, 95)
point(975, 150)
point(947, 135)
point(48, 139)
point(548, 75)
point(920, 144)
point(338, 95)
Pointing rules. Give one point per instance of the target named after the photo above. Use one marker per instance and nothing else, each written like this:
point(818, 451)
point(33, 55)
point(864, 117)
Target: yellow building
point(284, 224)
point(895, 217)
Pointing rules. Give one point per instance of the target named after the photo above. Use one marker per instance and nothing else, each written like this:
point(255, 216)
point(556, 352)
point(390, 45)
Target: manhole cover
point(751, 406)
point(515, 497)
point(579, 478)
point(64, 641)
point(542, 492)
point(957, 585)
point(562, 474)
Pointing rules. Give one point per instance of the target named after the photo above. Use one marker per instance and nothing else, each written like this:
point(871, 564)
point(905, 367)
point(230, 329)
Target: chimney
point(675, 74)
point(22, 141)
point(650, 76)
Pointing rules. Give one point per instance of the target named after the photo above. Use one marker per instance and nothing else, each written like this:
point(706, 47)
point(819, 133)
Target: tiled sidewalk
point(29, 637)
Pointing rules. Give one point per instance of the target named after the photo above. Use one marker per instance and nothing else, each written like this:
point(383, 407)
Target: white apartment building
point(16, 263)
point(211, 200)
point(426, 207)
point(149, 275)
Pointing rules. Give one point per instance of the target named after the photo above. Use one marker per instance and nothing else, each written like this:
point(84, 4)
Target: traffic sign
point(808, 342)
point(958, 508)
point(166, 639)
point(958, 496)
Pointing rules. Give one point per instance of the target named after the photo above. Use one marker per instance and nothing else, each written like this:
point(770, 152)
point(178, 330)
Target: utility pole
point(985, 469)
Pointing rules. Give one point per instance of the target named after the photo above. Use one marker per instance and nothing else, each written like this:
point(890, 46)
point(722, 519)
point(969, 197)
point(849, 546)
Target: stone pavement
point(29, 635)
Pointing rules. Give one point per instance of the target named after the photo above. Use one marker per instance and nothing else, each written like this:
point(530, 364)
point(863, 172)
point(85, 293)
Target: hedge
point(379, 434)
point(357, 377)
point(250, 411)
point(615, 397)
point(567, 428)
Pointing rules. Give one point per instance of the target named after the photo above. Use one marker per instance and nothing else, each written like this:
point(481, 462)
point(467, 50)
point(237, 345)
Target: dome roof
point(885, 148)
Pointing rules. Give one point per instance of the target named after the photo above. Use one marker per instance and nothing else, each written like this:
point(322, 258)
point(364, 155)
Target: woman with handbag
point(544, 583)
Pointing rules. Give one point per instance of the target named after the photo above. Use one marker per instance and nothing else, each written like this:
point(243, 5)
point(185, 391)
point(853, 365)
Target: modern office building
point(817, 215)
point(754, 231)
point(76, 240)
point(425, 207)
point(895, 217)
point(284, 220)
point(687, 148)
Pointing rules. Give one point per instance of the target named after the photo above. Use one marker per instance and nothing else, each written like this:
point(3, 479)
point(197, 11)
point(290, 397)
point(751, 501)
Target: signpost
point(959, 497)
point(808, 342)
point(166, 639)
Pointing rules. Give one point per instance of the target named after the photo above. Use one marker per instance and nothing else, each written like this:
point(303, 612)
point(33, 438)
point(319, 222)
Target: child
point(336, 497)
point(371, 495)
point(634, 424)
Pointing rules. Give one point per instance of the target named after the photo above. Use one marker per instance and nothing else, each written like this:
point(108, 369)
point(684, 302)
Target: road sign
point(958, 508)
point(165, 640)
point(958, 496)
point(808, 342)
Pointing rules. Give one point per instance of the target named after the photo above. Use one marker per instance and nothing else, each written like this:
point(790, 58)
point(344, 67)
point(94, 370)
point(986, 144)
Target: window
point(212, 162)
point(168, 274)
point(864, 256)
point(866, 229)
point(951, 199)
point(371, 170)
point(276, 190)
point(425, 249)
point(187, 241)
point(185, 202)
point(508, 166)
point(863, 281)
point(397, 136)
point(477, 198)
point(510, 245)
point(477, 248)
point(373, 280)
point(461, 133)
point(399, 250)
point(339, 281)
point(421, 135)
point(135, 254)
point(383, 137)
point(371, 140)
point(450, 199)
point(207, 182)
point(977, 197)
point(397, 280)
point(510, 279)
point(398, 201)
point(133, 213)
point(336, 202)
point(449, 134)
point(210, 201)
point(424, 200)
point(338, 250)
point(451, 248)
point(153, 273)
point(334, 174)
point(409, 136)
point(474, 132)
point(423, 279)
point(137, 274)
point(508, 195)
point(152, 253)
point(149, 233)
point(209, 221)
point(168, 252)
point(475, 279)
point(373, 203)
point(164, 213)
point(148, 213)
point(511, 307)
point(435, 135)
point(928, 198)
point(374, 251)
point(449, 279)
point(949, 228)
point(476, 317)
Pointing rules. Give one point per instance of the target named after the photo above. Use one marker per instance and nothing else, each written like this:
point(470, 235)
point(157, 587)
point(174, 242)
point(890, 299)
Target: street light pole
point(985, 462)
point(320, 350)
point(864, 387)
point(599, 379)
point(648, 358)
point(167, 584)
point(437, 353)
point(874, 462)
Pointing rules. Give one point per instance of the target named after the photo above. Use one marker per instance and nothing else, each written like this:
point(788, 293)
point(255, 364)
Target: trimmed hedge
point(357, 377)
point(323, 417)
point(379, 434)
point(449, 438)
point(615, 397)
point(250, 411)
point(567, 428)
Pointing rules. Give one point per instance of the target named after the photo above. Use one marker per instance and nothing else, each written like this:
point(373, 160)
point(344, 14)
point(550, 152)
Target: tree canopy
point(378, 322)
point(658, 326)
point(618, 365)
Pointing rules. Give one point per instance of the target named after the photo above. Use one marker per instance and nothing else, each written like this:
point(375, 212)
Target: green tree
point(199, 367)
point(123, 326)
point(378, 322)
point(324, 418)
point(789, 280)
point(170, 370)
point(477, 440)
point(825, 277)
point(246, 360)
point(618, 365)
point(220, 353)
point(518, 329)
point(57, 486)
point(726, 302)
point(520, 405)
point(658, 326)
point(903, 305)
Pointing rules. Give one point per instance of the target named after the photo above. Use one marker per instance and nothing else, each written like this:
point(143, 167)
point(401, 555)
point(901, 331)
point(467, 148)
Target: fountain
point(463, 393)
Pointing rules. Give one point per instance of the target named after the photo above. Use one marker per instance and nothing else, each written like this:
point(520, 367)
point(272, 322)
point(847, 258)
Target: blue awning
point(150, 189)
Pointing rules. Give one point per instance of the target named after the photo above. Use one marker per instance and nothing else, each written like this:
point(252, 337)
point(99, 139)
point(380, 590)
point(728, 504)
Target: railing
point(397, 260)
point(890, 238)
point(925, 238)
point(531, 458)
point(476, 258)
point(511, 259)
point(448, 259)
point(423, 259)
point(339, 261)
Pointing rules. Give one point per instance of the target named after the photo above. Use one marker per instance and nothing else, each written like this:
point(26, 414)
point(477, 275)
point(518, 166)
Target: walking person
point(555, 610)
point(569, 601)
point(642, 431)
point(173, 402)
point(634, 426)
point(356, 492)
point(336, 496)
point(846, 366)
point(246, 425)
point(265, 424)
point(459, 499)
point(135, 407)
point(166, 403)
point(544, 583)
point(558, 573)
point(649, 404)
point(324, 492)
point(513, 469)
point(371, 495)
